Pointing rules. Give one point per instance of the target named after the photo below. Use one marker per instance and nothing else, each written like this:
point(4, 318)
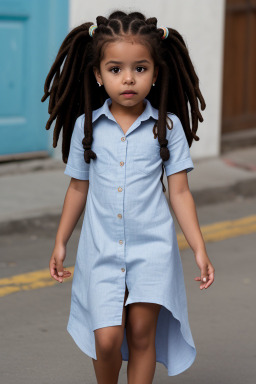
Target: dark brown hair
point(74, 90)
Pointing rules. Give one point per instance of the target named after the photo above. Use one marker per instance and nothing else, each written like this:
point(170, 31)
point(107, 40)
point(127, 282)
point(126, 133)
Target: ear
point(156, 70)
point(97, 75)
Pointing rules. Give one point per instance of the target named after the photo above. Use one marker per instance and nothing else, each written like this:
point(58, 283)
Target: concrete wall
point(201, 23)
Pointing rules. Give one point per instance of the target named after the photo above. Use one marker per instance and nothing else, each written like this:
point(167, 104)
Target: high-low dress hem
point(179, 368)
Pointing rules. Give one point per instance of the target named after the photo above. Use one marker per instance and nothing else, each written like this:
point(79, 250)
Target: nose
point(128, 77)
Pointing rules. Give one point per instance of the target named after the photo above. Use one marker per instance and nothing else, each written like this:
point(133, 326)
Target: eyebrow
point(120, 62)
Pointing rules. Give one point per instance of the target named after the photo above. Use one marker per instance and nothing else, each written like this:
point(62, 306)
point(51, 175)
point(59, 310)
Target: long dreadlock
point(74, 92)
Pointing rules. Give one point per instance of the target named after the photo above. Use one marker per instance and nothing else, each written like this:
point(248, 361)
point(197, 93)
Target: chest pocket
point(144, 158)
point(100, 165)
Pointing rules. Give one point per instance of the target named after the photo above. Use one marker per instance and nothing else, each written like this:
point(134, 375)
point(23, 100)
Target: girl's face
point(126, 66)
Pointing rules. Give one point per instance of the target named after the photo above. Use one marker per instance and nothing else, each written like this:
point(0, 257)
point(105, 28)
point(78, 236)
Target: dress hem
point(76, 339)
point(111, 323)
point(87, 350)
point(161, 302)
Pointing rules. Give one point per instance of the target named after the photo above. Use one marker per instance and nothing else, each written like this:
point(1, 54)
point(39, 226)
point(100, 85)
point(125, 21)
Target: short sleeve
point(180, 158)
point(76, 166)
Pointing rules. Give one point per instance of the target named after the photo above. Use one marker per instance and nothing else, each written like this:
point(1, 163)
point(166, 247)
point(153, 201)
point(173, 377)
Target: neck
point(120, 110)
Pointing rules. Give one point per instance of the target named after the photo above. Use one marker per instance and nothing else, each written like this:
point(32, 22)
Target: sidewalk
point(35, 188)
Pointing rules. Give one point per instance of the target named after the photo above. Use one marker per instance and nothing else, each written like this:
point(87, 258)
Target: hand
point(206, 268)
point(56, 263)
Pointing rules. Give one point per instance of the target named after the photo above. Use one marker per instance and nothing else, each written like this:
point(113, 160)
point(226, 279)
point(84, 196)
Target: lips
point(128, 92)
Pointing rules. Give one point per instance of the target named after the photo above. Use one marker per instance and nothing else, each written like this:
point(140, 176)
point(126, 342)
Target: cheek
point(148, 75)
point(147, 80)
point(110, 77)
point(111, 82)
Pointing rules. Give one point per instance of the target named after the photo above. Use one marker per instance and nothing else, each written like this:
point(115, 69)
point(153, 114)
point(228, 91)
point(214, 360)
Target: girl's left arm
point(183, 205)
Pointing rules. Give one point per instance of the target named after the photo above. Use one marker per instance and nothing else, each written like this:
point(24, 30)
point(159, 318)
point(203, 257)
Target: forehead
point(127, 50)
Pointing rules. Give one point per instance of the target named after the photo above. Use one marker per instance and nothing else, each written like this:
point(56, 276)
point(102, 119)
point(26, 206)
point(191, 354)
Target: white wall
point(201, 23)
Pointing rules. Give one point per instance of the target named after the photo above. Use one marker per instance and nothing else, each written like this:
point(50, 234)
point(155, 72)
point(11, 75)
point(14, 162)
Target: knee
point(140, 337)
point(106, 345)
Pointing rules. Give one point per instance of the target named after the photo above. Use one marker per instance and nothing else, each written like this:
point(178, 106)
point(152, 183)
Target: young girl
point(120, 91)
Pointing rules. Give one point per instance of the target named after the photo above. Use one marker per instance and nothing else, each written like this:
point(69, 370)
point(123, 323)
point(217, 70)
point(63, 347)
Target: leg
point(108, 342)
point(140, 333)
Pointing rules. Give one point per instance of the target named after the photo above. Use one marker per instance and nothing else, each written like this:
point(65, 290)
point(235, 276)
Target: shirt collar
point(148, 112)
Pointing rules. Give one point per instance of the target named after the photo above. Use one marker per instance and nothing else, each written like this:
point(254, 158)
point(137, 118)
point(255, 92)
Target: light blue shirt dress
point(128, 235)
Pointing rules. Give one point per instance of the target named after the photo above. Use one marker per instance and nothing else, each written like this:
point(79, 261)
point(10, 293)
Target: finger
point(53, 271)
point(199, 279)
point(211, 280)
point(59, 267)
point(66, 274)
point(55, 276)
point(204, 274)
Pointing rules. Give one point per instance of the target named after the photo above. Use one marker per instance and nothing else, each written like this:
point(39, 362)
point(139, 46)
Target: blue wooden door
point(30, 33)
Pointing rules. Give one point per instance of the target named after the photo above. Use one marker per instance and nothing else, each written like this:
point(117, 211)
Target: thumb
point(204, 275)
point(59, 268)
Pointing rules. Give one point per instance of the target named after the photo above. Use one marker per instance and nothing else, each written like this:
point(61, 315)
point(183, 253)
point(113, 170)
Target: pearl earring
point(98, 84)
point(153, 84)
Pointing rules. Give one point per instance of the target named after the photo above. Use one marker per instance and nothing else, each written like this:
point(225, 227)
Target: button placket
point(120, 189)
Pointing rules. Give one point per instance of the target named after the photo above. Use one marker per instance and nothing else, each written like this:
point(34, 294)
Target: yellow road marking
point(211, 233)
point(222, 230)
point(27, 281)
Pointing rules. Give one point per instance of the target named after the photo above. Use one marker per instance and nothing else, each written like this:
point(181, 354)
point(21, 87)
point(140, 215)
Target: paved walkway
point(36, 188)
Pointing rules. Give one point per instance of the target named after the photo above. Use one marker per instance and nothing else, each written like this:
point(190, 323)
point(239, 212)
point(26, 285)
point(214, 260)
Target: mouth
point(128, 93)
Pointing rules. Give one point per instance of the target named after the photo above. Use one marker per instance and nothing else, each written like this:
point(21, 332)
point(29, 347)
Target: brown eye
point(142, 69)
point(114, 69)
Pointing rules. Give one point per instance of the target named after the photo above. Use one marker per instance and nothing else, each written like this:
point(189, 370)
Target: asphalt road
point(36, 348)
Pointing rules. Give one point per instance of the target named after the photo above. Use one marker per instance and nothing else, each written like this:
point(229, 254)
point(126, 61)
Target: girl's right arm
point(73, 207)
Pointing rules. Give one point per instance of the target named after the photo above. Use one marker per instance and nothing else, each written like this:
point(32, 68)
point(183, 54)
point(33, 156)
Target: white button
point(120, 189)
point(119, 215)
point(122, 269)
point(120, 241)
